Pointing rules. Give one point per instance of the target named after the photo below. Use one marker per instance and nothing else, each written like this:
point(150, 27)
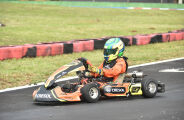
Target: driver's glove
point(95, 70)
point(90, 67)
point(84, 61)
point(88, 74)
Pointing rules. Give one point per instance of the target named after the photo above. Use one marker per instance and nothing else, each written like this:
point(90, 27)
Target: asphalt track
point(18, 104)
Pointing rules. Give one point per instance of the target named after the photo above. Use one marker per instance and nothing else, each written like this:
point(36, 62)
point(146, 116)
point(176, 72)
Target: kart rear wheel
point(149, 88)
point(90, 93)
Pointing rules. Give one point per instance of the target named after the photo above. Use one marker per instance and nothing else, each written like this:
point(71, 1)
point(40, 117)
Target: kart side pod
point(136, 89)
point(116, 90)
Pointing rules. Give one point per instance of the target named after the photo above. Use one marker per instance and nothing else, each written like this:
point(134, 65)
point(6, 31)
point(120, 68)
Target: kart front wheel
point(149, 87)
point(90, 93)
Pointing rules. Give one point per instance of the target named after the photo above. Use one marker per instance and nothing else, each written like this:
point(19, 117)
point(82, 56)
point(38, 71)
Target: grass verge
point(34, 23)
point(32, 70)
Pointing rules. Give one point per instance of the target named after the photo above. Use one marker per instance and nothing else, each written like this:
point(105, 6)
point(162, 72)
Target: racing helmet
point(113, 49)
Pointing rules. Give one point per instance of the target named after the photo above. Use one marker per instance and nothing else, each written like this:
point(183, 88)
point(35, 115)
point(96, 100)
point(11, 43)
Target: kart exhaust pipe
point(135, 74)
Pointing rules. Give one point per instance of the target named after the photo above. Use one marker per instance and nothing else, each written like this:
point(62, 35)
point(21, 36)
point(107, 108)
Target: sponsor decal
point(118, 90)
point(114, 90)
point(107, 66)
point(61, 74)
point(108, 89)
point(135, 89)
point(43, 96)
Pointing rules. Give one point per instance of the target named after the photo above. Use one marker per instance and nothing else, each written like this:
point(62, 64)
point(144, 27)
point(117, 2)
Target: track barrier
point(11, 52)
point(59, 48)
point(127, 40)
point(43, 50)
point(156, 38)
point(78, 46)
point(179, 36)
point(142, 39)
point(85, 45)
point(29, 50)
point(99, 43)
point(88, 45)
point(166, 37)
point(172, 37)
point(68, 48)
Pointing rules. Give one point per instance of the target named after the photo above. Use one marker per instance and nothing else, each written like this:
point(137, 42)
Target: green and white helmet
point(113, 49)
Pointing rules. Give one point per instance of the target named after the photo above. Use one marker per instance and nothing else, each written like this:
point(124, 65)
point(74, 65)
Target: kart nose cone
point(43, 95)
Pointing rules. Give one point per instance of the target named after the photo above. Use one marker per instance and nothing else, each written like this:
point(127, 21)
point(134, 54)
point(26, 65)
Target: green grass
point(33, 23)
point(32, 70)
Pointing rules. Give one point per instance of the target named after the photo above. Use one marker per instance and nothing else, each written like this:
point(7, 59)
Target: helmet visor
point(108, 52)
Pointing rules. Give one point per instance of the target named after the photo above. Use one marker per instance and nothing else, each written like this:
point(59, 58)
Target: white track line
point(153, 63)
point(146, 8)
point(69, 78)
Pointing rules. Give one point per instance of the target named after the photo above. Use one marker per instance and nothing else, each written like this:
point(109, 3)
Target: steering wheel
point(85, 62)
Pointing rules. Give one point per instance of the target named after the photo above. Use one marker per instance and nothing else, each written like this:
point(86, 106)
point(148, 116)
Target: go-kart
point(90, 89)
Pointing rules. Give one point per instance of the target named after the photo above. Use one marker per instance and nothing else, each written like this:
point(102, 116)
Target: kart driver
point(115, 64)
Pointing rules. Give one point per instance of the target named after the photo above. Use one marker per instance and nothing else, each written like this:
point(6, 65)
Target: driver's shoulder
point(120, 59)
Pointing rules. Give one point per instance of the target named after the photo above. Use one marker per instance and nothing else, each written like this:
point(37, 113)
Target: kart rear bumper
point(161, 87)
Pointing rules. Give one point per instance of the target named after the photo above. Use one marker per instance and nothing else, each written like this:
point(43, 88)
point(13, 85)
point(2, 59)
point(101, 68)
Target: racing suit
point(115, 70)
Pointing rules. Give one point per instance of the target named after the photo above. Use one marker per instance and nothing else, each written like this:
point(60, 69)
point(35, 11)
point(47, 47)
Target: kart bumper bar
point(161, 87)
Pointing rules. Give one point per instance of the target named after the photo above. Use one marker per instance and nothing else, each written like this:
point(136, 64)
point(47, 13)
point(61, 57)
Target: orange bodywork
point(75, 96)
point(54, 74)
point(34, 93)
point(63, 68)
point(62, 96)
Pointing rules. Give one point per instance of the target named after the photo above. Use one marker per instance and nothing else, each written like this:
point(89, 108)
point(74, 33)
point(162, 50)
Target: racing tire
point(90, 93)
point(149, 88)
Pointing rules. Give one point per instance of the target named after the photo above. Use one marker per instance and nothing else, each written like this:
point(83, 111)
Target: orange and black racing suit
point(114, 69)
